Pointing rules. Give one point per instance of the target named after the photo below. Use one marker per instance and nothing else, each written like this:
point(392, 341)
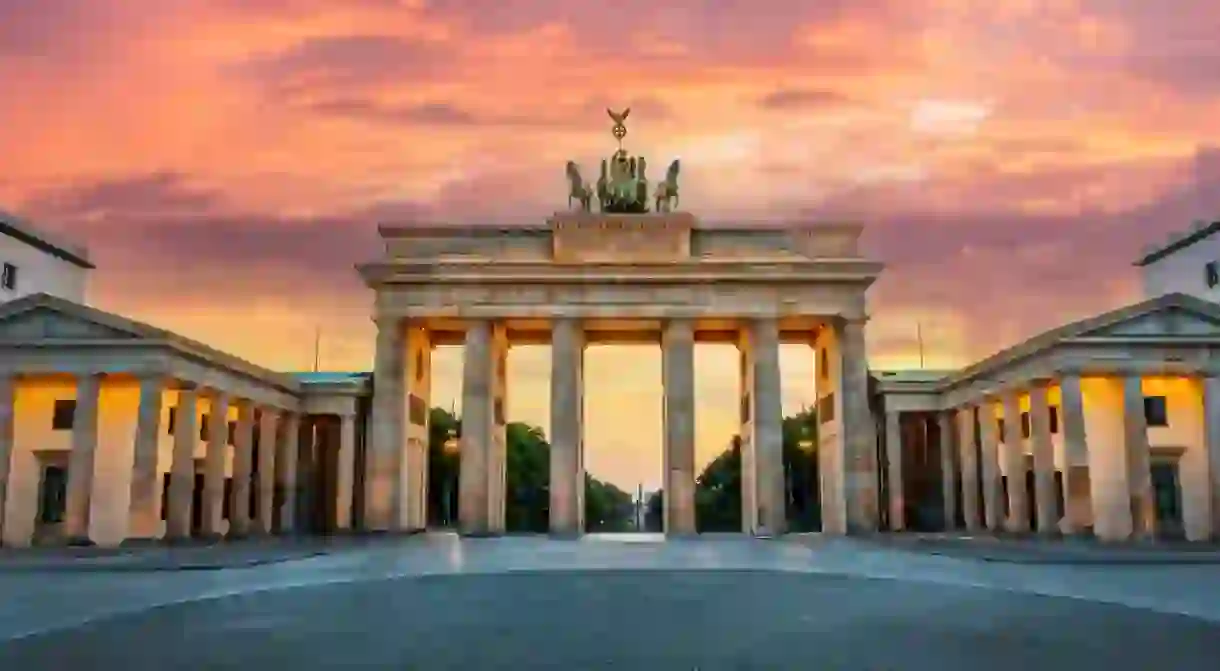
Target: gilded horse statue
point(667, 189)
point(578, 189)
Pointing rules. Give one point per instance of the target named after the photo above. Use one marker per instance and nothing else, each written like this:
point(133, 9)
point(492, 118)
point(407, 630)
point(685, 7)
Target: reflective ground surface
point(632, 602)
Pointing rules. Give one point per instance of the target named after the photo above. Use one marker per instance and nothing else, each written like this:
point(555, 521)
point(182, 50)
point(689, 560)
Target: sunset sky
point(226, 161)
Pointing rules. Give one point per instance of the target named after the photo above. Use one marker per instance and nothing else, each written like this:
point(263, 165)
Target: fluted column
point(264, 511)
point(497, 452)
point(346, 471)
point(145, 513)
point(1076, 456)
point(893, 456)
point(678, 382)
point(948, 469)
point(477, 370)
point(989, 455)
point(214, 463)
point(243, 462)
point(182, 469)
point(286, 453)
point(1014, 464)
point(8, 393)
point(567, 515)
point(970, 464)
point(1139, 462)
point(82, 461)
point(1045, 499)
point(858, 429)
point(383, 459)
point(768, 426)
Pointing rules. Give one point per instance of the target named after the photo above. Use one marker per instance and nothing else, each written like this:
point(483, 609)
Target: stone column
point(243, 465)
point(383, 464)
point(750, 521)
point(145, 476)
point(214, 463)
point(893, 455)
point(857, 429)
point(1139, 463)
point(678, 382)
point(1014, 464)
point(264, 511)
point(8, 393)
point(497, 452)
point(948, 469)
point(1076, 455)
point(346, 473)
point(182, 469)
point(989, 455)
point(567, 516)
point(82, 462)
point(417, 387)
point(1044, 460)
point(477, 371)
point(970, 474)
point(768, 439)
point(1211, 443)
point(286, 452)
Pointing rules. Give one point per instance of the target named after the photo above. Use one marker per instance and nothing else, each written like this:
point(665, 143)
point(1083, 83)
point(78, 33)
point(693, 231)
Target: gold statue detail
point(620, 128)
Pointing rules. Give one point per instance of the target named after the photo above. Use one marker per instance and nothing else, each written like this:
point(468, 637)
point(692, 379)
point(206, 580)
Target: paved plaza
point(440, 602)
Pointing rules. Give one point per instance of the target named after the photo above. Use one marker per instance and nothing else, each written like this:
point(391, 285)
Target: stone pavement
point(1026, 549)
point(437, 601)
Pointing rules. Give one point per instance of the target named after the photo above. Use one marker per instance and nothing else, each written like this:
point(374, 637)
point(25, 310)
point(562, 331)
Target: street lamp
point(451, 448)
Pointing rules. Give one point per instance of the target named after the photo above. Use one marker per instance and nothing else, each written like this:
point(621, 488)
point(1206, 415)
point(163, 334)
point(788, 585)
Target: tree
point(607, 508)
point(442, 468)
point(527, 479)
point(653, 511)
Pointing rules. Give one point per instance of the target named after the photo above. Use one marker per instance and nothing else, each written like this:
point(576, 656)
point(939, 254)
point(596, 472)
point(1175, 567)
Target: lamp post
point(451, 448)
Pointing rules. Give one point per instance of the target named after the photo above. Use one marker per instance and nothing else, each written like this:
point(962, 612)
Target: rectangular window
point(53, 495)
point(232, 433)
point(203, 427)
point(1054, 419)
point(165, 497)
point(1025, 425)
point(1211, 272)
point(170, 422)
point(62, 416)
point(9, 279)
point(1155, 412)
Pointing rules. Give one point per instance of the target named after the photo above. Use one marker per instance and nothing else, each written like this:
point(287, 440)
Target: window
point(170, 423)
point(232, 432)
point(1000, 428)
point(203, 427)
point(9, 278)
point(823, 364)
point(1025, 425)
point(61, 418)
point(1054, 419)
point(1212, 272)
point(1155, 412)
point(165, 497)
point(52, 494)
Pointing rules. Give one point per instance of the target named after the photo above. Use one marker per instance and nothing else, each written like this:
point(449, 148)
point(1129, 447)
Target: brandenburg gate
point(619, 275)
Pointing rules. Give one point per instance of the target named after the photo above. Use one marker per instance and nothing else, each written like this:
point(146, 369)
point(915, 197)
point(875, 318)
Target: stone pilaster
point(567, 515)
point(678, 382)
point(146, 485)
point(182, 468)
point(346, 473)
point(383, 460)
point(243, 466)
point(989, 455)
point(264, 511)
point(287, 449)
point(768, 416)
point(214, 463)
point(1014, 464)
point(497, 452)
point(1139, 463)
point(82, 462)
point(8, 394)
point(970, 464)
point(417, 386)
point(893, 456)
point(1045, 500)
point(948, 469)
point(857, 429)
point(1076, 478)
point(477, 372)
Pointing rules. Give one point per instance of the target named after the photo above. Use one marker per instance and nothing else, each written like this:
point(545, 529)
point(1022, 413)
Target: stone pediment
point(1161, 321)
point(43, 317)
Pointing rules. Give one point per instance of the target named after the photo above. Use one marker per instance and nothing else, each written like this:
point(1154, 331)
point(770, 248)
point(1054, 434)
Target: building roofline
point(22, 230)
point(1152, 254)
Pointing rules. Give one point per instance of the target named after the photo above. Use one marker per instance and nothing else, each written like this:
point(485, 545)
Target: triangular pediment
point(1171, 316)
point(42, 317)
